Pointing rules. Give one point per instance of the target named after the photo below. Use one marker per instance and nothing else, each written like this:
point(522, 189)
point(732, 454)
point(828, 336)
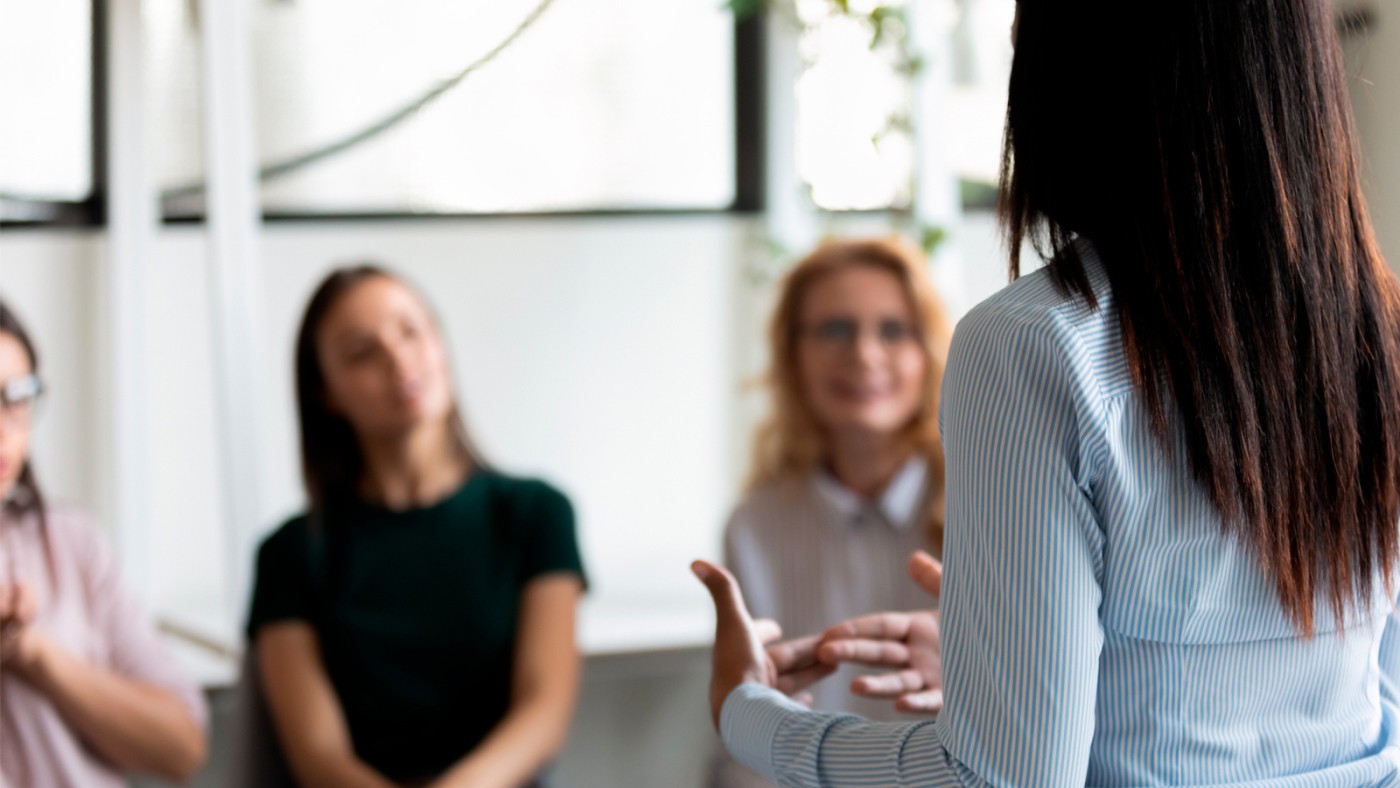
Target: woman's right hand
point(797, 662)
point(904, 643)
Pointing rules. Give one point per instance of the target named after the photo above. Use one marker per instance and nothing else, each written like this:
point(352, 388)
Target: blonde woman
point(847, 476)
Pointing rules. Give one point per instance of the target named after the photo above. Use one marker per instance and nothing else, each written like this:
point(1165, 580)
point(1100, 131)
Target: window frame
point(90, 212)
point(749, 150)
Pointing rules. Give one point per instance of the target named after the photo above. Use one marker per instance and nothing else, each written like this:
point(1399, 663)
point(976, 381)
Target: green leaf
point(931, 237)
point(745, 9)
point(899, 121)
point(912, 65)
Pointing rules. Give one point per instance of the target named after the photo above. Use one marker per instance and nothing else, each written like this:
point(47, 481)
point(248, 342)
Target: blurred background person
point(417, 624)
point(88, 694)
point(847, 477)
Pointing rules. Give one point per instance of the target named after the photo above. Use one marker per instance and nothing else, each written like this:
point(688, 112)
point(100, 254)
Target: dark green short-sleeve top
point(416, 611)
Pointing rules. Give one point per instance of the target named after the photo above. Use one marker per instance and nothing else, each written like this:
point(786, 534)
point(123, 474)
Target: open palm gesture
point(906, 644)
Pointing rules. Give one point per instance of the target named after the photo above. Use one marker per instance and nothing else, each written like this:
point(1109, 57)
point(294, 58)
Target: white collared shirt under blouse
point(809, 552)
point(1097, 627)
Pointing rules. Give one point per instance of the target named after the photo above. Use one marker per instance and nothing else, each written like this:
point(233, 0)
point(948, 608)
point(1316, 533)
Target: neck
point(865, 463)
point(413, 470)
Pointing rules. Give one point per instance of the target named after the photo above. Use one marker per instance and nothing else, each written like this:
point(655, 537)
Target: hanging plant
point(888, 35)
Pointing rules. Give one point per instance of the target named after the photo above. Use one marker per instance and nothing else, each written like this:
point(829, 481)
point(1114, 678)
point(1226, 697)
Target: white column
point(233, 222)
point(791, 218)
point(131, 224)
point(937, 201)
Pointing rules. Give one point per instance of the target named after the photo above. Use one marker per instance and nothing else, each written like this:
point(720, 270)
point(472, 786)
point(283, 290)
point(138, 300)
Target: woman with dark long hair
point(88, 693)
point(416, 626)
point(1173, 455)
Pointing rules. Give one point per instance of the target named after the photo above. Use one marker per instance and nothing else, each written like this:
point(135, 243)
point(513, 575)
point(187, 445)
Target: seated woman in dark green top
point(417, 626)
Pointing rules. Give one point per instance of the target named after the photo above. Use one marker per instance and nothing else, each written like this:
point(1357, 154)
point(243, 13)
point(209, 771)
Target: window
point(47, 139)
point(855, 136)
point(609, 105)
point(855, 148)
point(976, 109)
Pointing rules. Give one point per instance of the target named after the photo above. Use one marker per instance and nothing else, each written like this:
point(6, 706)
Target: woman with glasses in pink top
point(88, 694)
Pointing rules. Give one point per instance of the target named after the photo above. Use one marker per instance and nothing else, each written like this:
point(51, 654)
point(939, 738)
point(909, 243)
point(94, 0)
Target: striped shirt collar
point(898, 505)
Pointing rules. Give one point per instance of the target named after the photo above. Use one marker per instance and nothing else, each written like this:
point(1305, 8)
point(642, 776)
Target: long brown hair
point(332, 463)
point(1207, 149)
point(791, 442)
point(28, 496)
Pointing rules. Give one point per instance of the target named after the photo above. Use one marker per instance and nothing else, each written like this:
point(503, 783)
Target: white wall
point(1373, 61)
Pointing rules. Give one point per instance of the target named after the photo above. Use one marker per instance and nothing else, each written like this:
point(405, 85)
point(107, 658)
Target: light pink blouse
point(84, 607)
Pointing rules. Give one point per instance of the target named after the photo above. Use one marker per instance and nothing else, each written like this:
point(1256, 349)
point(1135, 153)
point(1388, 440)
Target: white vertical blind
point(131, 227)
point(232, 251)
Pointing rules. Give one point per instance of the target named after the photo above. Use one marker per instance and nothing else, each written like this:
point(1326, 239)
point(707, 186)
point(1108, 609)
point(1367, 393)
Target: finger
point(26, 603)
point(6, 593)
point(889, 685)
point(872, 653)
point(926, 702)
point(794, 654)
point(876, 626)
point(767, 631)
point(737, 656)
point(724, 591)
point(927, 571)
point(798, 680)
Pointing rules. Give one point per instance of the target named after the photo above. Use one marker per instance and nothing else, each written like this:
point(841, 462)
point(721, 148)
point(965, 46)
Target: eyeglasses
point(20, 398)
point(844, 332)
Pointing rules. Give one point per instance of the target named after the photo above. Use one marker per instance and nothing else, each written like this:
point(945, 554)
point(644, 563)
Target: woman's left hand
point(907, 644)
point(739, 655)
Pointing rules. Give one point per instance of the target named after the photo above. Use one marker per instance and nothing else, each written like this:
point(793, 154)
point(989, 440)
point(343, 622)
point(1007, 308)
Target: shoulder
point(285, 543)
point(524, 490)
point(538, 523)
point(767, 507)
point(1035, 319)
point(70, 521)
point(528, 502)
point(1033, 305)
point(73, 532)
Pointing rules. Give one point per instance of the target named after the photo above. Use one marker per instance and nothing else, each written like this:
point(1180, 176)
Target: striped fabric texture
point(1098, 628)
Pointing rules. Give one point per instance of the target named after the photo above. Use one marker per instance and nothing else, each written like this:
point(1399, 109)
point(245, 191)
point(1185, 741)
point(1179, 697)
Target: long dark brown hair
point(1207, 150)
point(332, 463)
point(27, 496)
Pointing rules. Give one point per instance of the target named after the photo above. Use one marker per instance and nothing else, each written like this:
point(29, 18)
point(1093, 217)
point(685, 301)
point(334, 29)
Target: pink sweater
point(84, 607)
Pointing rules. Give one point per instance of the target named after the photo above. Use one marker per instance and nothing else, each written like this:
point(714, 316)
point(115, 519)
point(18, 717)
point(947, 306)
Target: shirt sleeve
point(1021, 588)
point(135, 649)
point(550, 543)
point(282, 582)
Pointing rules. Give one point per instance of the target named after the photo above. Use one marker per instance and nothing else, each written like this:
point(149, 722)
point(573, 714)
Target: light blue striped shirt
point(1098, 628)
